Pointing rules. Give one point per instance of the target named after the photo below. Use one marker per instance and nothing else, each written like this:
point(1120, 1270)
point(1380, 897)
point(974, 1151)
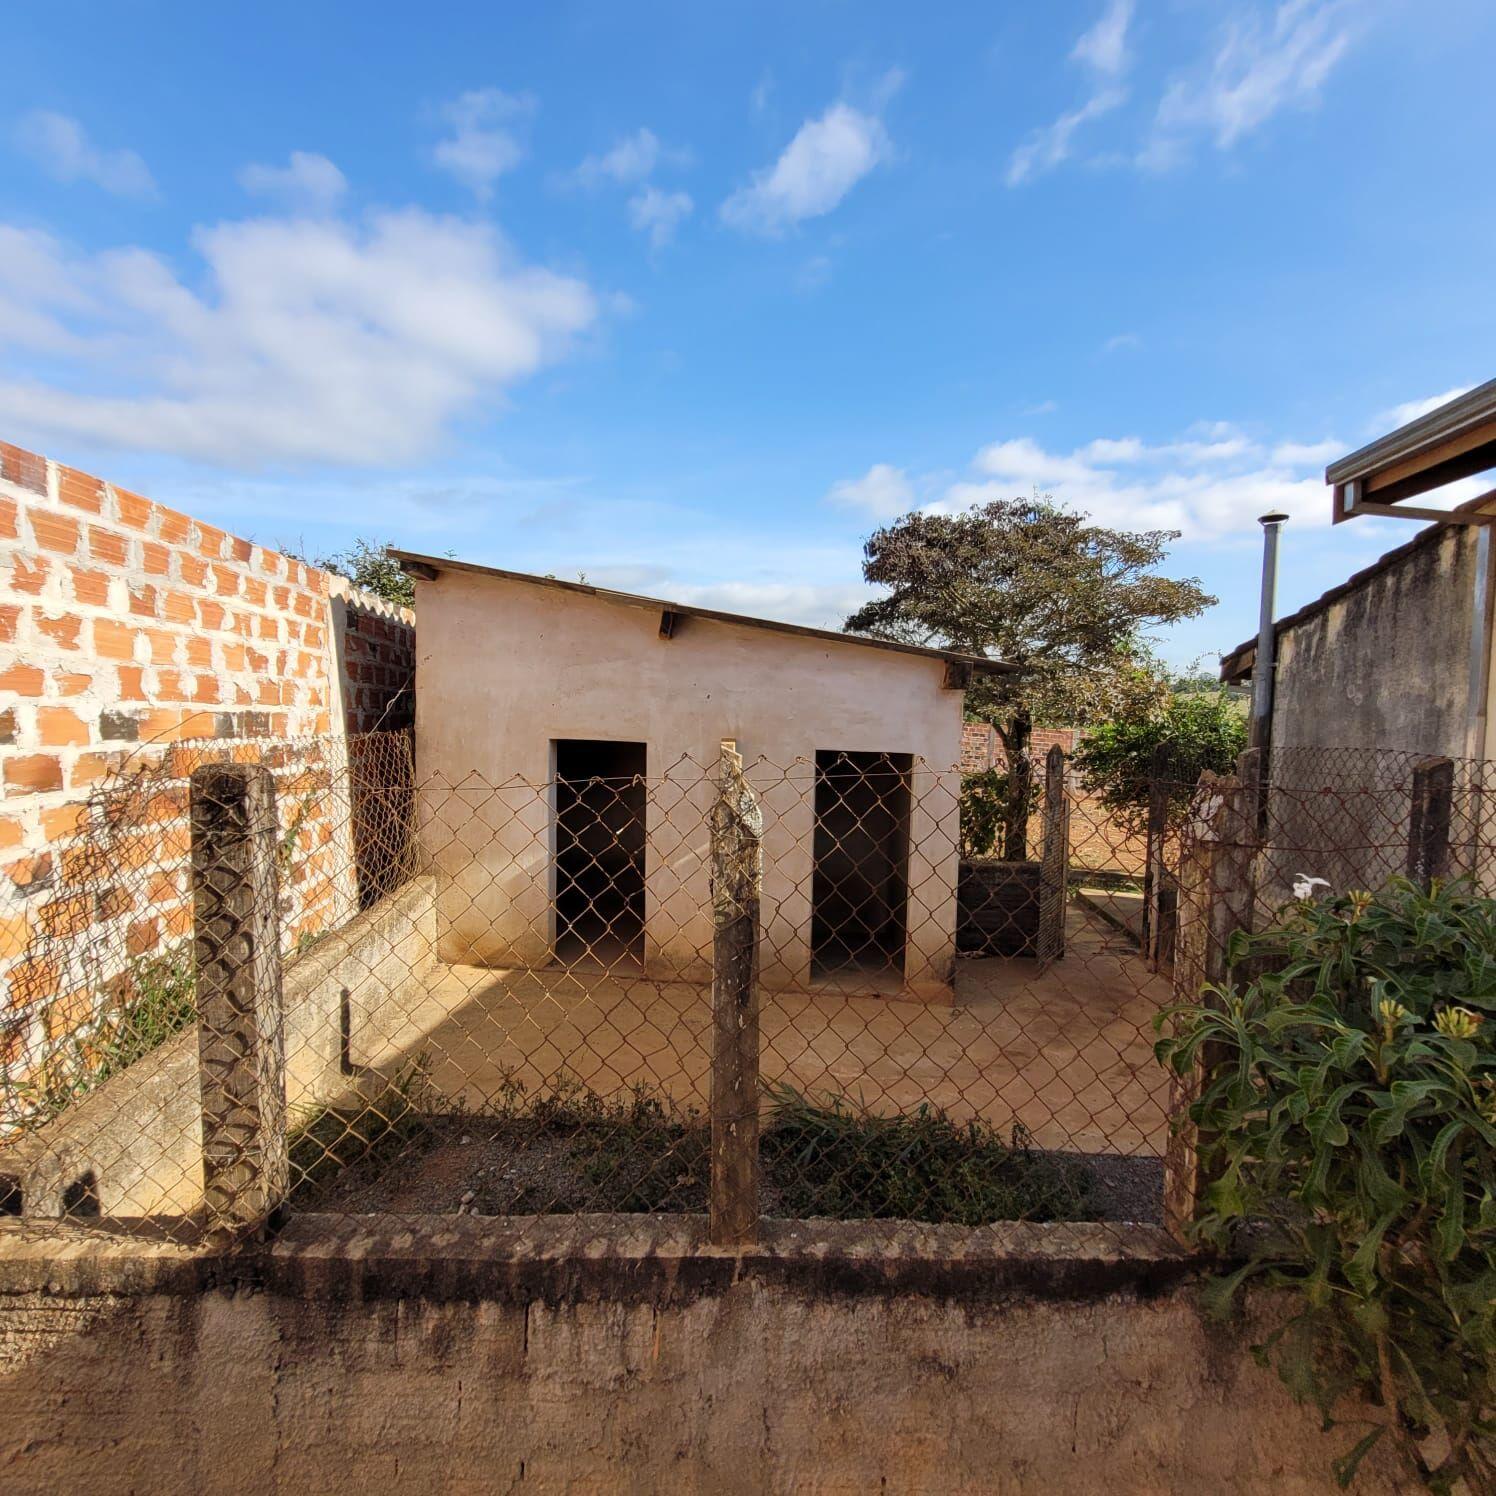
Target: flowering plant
point(1348, 1127)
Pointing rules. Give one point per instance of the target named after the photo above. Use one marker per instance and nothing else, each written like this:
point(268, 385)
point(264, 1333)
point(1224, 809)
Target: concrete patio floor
point(1066, 1053)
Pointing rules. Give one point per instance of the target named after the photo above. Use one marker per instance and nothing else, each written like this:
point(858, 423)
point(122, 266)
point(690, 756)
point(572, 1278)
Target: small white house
point(567, 741)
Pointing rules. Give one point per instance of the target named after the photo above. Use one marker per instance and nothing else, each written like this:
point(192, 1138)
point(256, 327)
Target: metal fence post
point(1215, 901)
point(241, 1046)
point(1428, 828)
point(737, 880)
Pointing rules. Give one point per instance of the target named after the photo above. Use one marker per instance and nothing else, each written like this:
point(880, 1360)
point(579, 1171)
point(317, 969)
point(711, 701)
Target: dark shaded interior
point(860, 887)
point(600, 797)
point(81, 1197)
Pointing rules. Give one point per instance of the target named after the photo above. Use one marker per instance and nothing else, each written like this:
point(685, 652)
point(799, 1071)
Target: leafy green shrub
point(1198, 731)
point(1349, 1128)
point(828, 1158)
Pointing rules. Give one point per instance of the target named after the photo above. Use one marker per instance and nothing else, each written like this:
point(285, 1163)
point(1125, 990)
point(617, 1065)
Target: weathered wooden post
point(1154, 873)
point(1215, 901)
point(1428, 828)
point(1054, 859)
point(241, 1046)
point(737, 881)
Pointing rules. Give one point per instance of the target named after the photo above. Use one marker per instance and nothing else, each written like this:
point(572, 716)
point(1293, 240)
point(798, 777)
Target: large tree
point(1023, 580)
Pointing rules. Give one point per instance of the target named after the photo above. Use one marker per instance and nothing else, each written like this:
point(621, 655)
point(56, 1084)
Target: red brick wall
point(981, 748)
point(379, 662)
point(129, 631)
point(1096, 840)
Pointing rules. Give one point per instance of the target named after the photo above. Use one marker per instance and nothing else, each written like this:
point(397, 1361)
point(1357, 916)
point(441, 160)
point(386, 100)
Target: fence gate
point(1054, 861)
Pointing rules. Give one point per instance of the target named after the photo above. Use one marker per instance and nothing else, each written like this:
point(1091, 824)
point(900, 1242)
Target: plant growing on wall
point(367, 564)
point(1202, 730)
point(1349, 1128)
point(1023, 580)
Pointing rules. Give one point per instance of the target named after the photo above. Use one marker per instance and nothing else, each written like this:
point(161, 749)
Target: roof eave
point(1454, 441)
point(427, 568)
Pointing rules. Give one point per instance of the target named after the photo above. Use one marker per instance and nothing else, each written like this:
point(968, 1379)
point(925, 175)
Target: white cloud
point(882, 492)
point(816, 170)
point(813, 605)
point(1411, 410)
point(484, 143)
point(1121, 342)
point(308, 181)
point(60, 145)
point(632, 159)
point(659, 213)
point(1104, 46)
point(1260, 67)
point(1210, 483)
point(1307, 454)
point(298, 340)
point(1045, 149)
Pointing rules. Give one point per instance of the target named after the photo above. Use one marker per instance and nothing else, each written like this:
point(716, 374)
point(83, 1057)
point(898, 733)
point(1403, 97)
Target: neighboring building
point(1388, 673)
point(614, 707)
point(1383, 659)
point(1398, 657)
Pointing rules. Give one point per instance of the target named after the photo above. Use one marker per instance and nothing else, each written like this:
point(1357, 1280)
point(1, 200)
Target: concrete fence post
point(241, 1045)
point(1428, 827)
point(737, 826)
point(1215, 901)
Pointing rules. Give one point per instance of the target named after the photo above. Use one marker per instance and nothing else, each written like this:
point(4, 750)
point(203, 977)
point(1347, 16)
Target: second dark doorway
point(860, 887)
point(600, 807)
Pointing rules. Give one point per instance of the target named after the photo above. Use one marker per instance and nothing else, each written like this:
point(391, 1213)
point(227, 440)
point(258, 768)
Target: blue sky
point(689, 297)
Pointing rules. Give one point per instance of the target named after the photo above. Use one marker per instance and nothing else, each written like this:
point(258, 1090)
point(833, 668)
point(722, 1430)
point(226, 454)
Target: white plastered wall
point(507, 668)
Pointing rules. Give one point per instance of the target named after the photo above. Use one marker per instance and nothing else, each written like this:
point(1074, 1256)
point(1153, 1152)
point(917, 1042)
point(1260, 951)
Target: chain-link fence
point(306, 976)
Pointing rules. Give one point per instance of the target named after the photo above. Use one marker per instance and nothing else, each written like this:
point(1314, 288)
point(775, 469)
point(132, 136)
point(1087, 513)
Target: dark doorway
point(600, 796)
point(860, 888)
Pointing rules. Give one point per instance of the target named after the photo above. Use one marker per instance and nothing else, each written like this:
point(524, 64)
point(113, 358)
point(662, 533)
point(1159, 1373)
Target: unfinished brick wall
point(378, 658)
point(1096, 841)
point(133, 641)
point(981, 748)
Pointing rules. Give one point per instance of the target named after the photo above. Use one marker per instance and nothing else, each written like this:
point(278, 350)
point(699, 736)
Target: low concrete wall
point(140, 1134)
point(603, 1354)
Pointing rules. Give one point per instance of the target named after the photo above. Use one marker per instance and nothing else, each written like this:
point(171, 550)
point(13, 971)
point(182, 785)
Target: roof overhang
point(960, 668)
point(1452, 442)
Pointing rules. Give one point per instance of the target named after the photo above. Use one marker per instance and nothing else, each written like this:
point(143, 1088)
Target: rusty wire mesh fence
point(307, 975)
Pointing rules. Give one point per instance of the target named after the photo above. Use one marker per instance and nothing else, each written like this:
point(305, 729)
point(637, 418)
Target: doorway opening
point(600, 800)
point(860, 884)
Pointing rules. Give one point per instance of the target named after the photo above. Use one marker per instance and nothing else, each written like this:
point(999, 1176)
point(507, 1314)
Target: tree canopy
point(1069, 602)
point(1192, 731)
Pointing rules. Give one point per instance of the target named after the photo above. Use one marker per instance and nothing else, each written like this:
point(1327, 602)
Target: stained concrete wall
point(1385, 665)
point(507, 668)
point(636, 1374)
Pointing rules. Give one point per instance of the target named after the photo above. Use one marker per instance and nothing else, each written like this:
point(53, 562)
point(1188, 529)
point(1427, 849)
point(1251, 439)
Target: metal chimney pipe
point(1264, 663)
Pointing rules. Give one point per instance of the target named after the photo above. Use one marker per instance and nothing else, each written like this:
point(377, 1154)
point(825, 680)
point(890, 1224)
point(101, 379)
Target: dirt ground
point(1065, 1052)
